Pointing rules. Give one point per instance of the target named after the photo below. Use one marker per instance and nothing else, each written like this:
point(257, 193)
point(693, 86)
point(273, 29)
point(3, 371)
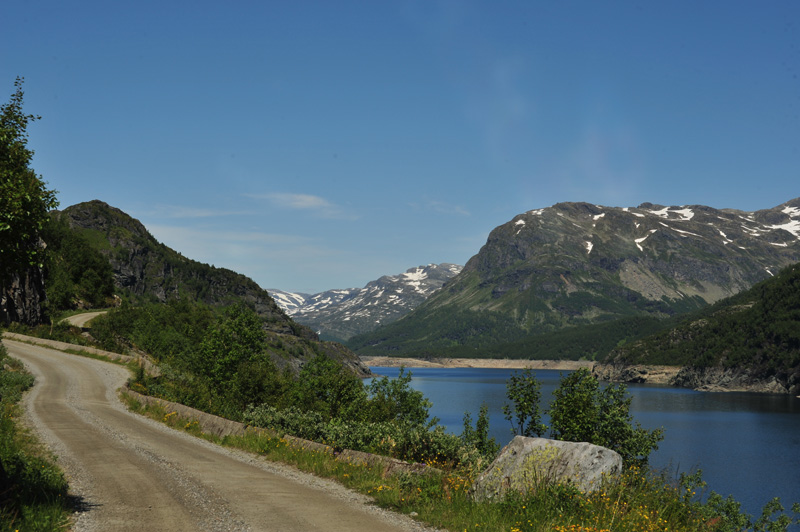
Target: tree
point(525, 392)
point(395, 400)
point(479, 436)
point(582, 411)
point(237, 337)
point(24, 198)
point(325, 386)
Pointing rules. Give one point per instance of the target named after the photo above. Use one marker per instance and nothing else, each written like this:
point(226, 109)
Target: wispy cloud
point(273, 260)
point(606, 163)
point(441, 207)
point(316, 205)
point(182, 238)
point(179, 211)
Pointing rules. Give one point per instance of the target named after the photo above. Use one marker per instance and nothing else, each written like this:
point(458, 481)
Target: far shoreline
point(485, 363)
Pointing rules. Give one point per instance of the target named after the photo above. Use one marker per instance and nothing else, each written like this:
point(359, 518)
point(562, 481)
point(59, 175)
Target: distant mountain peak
point(342, 313)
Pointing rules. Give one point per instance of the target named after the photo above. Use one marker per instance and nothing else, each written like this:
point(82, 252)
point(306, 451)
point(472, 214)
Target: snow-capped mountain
point(574, 264)
point(342, 313)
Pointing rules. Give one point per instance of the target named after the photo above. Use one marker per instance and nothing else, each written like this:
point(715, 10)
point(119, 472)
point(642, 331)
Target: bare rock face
point(527, 464)
point(635, 373)
point(22, 298)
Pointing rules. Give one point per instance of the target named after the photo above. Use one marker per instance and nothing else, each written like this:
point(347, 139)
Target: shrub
point(582, 411)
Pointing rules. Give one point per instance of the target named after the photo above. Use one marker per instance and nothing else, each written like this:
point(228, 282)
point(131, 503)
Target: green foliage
point(234, 339)
point(524, 392)
point(74, 270)
point(24, 198)
point(478, 437)
point(582, 411)
point(587, 341)
point(324, 386)
point(395, 400)
point(399, 439)
point(165, 331)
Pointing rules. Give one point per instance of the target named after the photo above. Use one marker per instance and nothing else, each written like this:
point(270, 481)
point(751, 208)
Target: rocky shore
point(499, 363)
point(713, 379)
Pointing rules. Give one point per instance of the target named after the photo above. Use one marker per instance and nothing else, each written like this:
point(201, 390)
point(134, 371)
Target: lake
point(747, 445)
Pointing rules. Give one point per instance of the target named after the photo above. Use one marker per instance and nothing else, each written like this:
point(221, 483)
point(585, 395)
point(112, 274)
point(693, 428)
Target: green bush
point(582, 411)
point(524, 392)
point(398, 439)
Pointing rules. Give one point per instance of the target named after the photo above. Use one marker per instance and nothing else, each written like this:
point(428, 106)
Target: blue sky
point(317, 145)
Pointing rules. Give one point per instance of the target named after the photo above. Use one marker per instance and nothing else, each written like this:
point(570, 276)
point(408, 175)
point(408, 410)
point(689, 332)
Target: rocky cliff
point(22, 298)
point(145, 267)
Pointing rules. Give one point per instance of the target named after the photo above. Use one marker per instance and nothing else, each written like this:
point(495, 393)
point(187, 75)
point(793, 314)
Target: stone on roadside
point(528, 464)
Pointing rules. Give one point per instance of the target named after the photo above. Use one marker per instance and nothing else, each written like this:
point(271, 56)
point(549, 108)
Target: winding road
point(83, 319)
point(130, 473)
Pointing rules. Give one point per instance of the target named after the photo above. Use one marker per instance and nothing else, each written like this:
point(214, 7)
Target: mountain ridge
point(574, 264)
point(339, 314)
point(151, 271)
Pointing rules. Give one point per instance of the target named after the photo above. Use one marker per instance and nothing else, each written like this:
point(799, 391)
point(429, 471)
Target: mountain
point(147, 270)
point(343, 313)
point(549, 270)
point(750, 341)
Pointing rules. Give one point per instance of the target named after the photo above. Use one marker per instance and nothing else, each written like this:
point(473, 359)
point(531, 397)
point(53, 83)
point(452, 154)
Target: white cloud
point(317, 205)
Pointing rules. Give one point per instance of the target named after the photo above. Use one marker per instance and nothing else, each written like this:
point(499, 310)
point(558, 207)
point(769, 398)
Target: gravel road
point(81, 320)
point(131, 473)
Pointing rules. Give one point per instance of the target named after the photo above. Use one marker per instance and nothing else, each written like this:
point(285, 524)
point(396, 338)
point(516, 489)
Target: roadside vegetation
point(223, 363)
point(33, 491)
point(640, 500)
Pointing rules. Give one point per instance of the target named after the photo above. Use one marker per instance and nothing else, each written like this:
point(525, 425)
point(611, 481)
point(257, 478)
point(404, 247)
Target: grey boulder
point(528, 464)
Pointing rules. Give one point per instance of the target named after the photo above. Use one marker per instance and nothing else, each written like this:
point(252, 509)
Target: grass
point(639, 501)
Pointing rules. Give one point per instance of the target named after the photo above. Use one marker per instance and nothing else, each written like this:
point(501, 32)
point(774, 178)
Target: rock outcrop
point(22, 298)
point(635, 373)
point(527, 464)
point(720, 379)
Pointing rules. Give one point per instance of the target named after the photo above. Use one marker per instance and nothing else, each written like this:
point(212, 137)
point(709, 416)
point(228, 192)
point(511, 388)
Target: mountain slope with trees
point(549, 271)
point(748, 341)
point(99, 252)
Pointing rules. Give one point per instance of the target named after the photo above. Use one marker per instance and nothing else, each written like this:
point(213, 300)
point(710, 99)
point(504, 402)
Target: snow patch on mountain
point(342, 313)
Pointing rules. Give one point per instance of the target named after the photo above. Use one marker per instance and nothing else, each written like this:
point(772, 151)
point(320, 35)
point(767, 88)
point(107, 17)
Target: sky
point(314, 145)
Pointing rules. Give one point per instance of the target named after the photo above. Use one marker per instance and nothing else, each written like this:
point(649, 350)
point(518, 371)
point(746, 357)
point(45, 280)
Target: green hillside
point(757, 330)
point(550, 272)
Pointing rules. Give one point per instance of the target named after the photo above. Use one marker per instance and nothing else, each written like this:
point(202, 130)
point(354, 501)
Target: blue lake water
point(747, 445)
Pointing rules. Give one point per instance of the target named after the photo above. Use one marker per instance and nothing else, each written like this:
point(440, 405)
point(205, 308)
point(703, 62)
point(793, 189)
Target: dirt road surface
point(81, 320)
point(133, 474)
